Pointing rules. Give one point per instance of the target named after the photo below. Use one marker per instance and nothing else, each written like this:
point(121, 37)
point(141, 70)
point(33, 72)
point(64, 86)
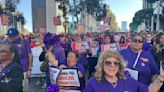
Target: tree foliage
point(10, 10)
point(112, 19)
point(140, 17)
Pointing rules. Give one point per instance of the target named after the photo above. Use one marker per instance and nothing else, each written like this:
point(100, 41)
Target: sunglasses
point(3, 51)
point(137, 40)
point(109, 63)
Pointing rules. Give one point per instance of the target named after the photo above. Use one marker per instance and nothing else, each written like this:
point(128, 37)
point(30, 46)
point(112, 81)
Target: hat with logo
point(12, 32)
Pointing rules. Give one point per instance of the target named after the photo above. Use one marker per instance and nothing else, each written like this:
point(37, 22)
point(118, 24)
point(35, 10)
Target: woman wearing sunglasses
point(110, 77)
point(140, 62)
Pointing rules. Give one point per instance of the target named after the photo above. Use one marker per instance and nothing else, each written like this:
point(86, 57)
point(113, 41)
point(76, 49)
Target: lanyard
point(135, 63)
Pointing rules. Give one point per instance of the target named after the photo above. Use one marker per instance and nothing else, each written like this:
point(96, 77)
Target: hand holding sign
point(80, 74)
point(62, 66)
point(52, 58)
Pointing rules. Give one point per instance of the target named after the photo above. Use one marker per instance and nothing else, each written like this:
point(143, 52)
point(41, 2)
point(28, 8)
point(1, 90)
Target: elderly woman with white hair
point(110, 77)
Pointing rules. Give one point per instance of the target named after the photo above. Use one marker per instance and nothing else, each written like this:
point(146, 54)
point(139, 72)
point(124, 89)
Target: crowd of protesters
point(101, 64)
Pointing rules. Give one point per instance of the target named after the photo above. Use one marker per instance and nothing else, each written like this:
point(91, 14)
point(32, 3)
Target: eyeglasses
point(109, 63)
point(137, 40)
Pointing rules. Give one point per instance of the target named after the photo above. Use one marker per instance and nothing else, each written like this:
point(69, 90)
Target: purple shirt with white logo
point(146, 64)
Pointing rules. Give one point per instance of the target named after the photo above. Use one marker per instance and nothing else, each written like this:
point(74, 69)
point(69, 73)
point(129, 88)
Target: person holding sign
point(72, 62)
point(140, 63)
point(108, 44)
point(82, 48)
point(110, 77)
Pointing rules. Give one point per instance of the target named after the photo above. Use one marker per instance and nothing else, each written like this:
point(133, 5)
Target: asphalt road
point(34, 87)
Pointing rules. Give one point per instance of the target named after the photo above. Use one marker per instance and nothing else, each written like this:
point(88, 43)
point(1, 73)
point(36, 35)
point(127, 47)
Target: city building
point(43, 15)
point(146, 4)
point(157, 23)
point(123, 26)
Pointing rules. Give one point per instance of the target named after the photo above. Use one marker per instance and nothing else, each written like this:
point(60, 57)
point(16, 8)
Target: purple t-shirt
point(23, 47)
point(146, 64)
point(60, 55)
point(147, 46)
point(127, 85)
point(83, 59)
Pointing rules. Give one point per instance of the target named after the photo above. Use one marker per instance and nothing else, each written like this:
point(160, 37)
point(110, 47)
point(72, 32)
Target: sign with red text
point(105, 47)
point(111, 47)
point(80, 46)
point(68, 78)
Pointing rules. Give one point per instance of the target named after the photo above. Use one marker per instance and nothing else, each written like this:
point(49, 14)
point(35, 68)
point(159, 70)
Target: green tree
point(140, 17)
point(112, 23)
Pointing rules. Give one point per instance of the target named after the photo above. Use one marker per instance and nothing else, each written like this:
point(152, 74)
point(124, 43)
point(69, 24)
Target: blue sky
point(124, 10)
point(25, 7)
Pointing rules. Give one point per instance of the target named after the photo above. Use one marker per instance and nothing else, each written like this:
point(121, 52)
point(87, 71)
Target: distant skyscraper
point(123, 26)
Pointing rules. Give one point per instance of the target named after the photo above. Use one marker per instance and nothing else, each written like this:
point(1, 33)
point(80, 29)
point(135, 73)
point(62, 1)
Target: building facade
point(156, 23)
point(43, 13)
point(123, 26)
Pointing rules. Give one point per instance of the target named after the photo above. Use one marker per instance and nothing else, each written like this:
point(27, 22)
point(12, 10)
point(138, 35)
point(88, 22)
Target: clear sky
point(124, 10)
point(25, 7)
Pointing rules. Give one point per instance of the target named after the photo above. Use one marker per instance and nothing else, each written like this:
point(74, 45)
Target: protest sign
point(105, 47)
point(68, 78)
point(80, 46)
point(111, 47)
point(54, 73)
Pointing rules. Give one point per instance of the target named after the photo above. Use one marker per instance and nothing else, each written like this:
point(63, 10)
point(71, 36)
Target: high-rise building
point(39, 15)
point(43, 13)
point(123, 26)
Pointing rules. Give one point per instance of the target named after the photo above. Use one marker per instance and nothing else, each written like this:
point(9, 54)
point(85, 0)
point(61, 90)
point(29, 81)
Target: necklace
point(114, 84)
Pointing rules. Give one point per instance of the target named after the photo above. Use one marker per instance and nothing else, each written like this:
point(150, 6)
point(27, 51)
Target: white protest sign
point(111, 47)
point(54, 73)
point(105, 47)
point(68, 78)
point(80, 46)
point(133, 73)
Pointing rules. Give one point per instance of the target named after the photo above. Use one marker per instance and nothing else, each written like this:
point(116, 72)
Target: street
point(35, 88)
